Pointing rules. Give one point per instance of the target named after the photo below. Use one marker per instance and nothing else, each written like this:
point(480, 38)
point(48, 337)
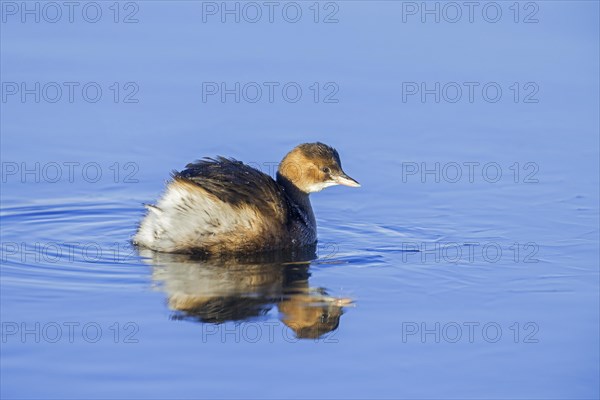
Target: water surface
point(438, 278)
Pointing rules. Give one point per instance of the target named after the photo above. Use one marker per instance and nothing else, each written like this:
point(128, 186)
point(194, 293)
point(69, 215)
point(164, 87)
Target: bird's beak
point(345, 180)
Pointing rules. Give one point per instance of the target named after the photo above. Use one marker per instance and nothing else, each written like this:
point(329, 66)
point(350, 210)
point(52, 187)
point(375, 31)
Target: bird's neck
point(297, 196)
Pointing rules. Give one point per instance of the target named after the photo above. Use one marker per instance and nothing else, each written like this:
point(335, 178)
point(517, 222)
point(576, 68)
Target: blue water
point(438, 278)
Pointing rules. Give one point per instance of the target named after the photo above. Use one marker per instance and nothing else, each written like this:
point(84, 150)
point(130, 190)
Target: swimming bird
point(223, 206)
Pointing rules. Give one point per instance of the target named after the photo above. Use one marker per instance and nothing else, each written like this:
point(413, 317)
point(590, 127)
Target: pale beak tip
point(343, 302)
point(347, 181)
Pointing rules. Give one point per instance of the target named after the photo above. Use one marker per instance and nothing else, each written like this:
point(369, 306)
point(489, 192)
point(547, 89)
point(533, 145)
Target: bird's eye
point(326, 170)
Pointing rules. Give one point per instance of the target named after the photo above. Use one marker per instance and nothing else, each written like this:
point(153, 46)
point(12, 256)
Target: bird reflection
point(237, 289)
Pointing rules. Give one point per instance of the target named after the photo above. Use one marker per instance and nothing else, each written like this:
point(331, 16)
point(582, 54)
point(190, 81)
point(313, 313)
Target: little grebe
point(220, 206)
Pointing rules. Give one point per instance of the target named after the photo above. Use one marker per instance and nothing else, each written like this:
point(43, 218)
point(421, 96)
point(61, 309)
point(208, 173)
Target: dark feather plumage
point(238, 184)
point(321, 151)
